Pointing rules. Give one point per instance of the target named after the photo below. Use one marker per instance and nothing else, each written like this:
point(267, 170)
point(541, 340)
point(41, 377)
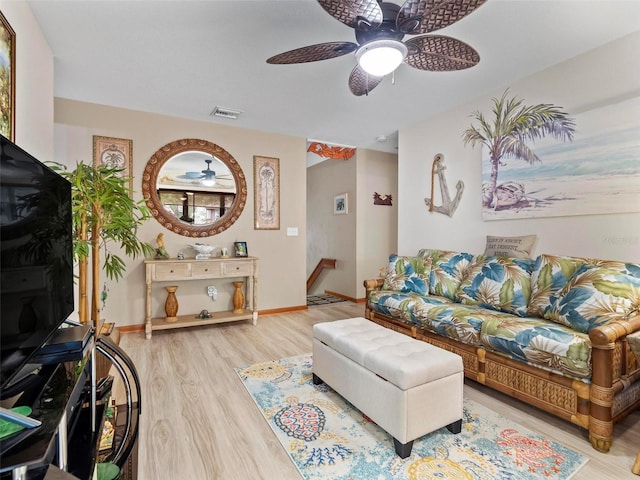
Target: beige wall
point(329, 235)
point(34, 82)
point(282, 258)
point(361, 240)
point(377, 224)
point(606, 75)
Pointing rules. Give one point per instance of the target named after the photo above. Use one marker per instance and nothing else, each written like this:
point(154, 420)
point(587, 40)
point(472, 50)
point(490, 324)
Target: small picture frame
point(341, 204)
point(241, 249)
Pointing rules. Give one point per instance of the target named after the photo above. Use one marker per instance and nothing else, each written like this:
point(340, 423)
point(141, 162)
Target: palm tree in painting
point(513, 125)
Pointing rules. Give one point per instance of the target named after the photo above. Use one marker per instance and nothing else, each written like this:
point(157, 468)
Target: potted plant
point(103, 214)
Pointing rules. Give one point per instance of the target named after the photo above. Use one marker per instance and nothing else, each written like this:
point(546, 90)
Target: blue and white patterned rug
point(327, 438)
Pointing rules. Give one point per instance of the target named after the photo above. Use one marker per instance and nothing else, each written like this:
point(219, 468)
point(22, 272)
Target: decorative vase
point(171, 304)
point(238, 298)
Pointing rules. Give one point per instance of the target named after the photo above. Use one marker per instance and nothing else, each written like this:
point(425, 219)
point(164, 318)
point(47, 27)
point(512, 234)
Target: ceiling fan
point(380, 27)
point(206, 177)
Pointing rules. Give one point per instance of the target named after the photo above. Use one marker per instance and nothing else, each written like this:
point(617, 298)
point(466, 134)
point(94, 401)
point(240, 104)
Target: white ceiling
point(183, 58)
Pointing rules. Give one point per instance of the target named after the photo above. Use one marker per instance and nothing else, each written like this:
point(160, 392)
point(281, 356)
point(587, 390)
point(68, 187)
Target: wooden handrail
point(322, 264)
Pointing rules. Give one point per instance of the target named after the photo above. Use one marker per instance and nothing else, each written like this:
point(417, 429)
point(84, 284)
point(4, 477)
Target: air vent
point(225, 113)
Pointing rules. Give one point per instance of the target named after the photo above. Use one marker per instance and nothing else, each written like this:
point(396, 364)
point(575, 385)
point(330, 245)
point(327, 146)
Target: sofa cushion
point(448, 270)
point(454, 320)
point(400, 305)
point(550, 274)
point(627, 268)
point(595, 296)
point(498, 283)
point(540, 343)
point(407, 274)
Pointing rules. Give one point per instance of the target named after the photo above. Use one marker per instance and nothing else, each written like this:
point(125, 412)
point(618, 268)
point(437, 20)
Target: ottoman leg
point(403, 450)
point(455, 427)
point(317, 380)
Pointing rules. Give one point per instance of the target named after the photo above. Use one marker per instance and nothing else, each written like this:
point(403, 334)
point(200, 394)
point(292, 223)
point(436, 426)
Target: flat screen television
point(36, 257)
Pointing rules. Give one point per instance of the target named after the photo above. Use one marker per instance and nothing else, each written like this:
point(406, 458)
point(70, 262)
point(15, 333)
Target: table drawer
point(172, 271)
point(205, 269)
point(237, 269)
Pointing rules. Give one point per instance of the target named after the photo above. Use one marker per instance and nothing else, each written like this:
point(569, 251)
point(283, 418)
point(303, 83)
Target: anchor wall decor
point(448, 206)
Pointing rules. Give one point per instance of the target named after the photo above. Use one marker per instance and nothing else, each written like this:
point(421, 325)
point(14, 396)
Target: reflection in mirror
point(194, 187)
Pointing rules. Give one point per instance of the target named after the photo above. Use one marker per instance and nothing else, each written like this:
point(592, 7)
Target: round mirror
point(194, 187)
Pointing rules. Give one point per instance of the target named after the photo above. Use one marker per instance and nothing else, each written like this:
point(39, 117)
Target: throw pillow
point(407, 274)
point(498, 283)
point(595, 296)
point(515, 247)
point(448, 270)
point(550, 274)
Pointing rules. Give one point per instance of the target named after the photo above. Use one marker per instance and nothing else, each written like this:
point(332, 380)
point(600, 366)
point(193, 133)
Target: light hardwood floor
point(199, 423)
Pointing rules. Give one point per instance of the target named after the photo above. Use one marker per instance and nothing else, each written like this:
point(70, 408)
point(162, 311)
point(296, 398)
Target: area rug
point(327, 438)
point(323, 299)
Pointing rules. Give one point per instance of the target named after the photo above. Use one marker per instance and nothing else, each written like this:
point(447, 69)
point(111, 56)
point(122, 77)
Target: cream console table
point(174, 270)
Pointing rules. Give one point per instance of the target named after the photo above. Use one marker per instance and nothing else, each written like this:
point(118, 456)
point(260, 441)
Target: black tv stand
point(62, 397)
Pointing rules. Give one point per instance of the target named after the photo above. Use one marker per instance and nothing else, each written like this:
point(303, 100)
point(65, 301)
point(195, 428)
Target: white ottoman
point(408, 387)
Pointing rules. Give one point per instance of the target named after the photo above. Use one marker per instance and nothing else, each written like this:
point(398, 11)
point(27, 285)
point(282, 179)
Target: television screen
point(36, 256)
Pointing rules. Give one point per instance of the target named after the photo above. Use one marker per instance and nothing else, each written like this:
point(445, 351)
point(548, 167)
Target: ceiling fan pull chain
point(393, 77)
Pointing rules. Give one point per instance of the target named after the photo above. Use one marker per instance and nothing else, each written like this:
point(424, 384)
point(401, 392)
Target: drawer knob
point(171, 271)
point(206, 269)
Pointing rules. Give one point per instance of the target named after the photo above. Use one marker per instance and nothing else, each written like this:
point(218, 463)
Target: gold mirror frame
point(169, 221)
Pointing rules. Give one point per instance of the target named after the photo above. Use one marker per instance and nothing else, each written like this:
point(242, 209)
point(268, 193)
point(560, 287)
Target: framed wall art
point(341, 204)
point(266, 193)
point(596, 173)
point(114, 153)
point(7, 79)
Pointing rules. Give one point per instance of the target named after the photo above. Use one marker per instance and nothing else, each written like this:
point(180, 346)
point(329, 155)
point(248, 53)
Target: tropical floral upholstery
point(455, 320)
point(535, 311)
point(407, 274)
point(550, 274)
point(540, 343)
point(595, 296)
point(448, 269)
point(400, 305)
point(498, 283)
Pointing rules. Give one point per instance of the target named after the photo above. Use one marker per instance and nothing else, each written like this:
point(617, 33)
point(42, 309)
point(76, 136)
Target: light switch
point(292, 231)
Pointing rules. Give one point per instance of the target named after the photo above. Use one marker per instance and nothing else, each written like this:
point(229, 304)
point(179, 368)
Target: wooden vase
point(238, 298)
point(171, 304)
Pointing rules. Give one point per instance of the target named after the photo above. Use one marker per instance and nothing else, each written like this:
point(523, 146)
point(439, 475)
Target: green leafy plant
point(514, 124)
point(104, 215)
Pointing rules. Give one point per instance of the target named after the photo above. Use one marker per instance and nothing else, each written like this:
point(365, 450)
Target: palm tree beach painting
point(586, 164)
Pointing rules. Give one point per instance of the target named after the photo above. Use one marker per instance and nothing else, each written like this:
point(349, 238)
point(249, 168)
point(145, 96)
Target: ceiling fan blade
point(354, 12)
point(314, 53)
point(438, 53)
point(361, 83)
point(424, 16)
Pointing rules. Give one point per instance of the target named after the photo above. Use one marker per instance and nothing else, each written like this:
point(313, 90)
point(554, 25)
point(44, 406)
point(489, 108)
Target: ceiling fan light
point(209, 182)
point(381, 57)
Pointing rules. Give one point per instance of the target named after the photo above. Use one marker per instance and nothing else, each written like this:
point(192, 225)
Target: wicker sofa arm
point(373, 284)
point(606, 377)
point(602, 337)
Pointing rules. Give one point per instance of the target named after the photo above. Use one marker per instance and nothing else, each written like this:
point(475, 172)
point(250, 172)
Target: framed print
point(7, 79)
point(241, 249)
point(266, 193)
point(340, 204)
point(114, 153)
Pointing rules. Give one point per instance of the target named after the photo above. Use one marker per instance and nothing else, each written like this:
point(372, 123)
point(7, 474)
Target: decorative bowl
point(204, 251)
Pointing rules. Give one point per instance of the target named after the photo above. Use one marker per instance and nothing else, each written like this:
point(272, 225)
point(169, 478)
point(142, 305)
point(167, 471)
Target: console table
point(174, 270)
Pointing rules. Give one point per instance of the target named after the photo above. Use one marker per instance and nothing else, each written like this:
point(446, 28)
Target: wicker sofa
point(549, 331)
